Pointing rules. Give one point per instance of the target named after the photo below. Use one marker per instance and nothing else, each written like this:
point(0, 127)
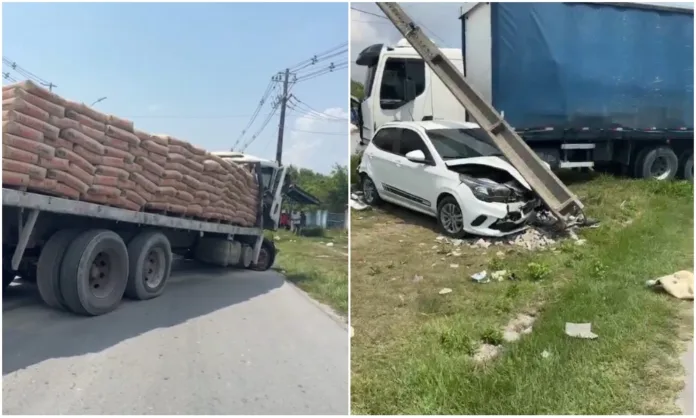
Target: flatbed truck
point(84, 257)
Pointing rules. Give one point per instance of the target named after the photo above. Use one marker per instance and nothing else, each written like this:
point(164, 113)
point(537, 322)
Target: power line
point(272, 84)
point(26, 73)
point(317, 56)
point(276, 105)
point(308, 66)
point(328, 69)
point(384, 17)
point(370, 13)
point(321, 133)
point(300, 104)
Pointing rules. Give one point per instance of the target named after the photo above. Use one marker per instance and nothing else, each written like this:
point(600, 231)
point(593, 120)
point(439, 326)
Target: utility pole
point(281, 126)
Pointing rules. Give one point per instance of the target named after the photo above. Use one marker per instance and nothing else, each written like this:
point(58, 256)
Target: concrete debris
point(454, 266)
point(533, 238)
point(480, 277)
point(499, 275)
point(545, 354)
point(520, 325)
point(417, 278)
point(580, 331)
point(329, 244)
point(352, 332)
point(500, 254)
point(486, 353)
point(445, 291)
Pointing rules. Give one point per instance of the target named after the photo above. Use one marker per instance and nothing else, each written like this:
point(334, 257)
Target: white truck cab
point(399, 86)
point(273, 176)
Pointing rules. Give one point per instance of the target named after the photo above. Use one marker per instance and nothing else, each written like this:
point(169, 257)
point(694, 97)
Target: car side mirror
point(417, 156)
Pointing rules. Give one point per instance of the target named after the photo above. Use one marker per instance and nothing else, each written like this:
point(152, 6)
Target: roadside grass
point(316, 268)
point(412, 348)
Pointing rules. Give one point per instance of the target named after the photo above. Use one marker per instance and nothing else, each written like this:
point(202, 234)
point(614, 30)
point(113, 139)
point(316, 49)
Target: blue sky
point(193, 70)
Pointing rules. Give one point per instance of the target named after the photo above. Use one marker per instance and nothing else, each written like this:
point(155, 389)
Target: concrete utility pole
point(281, 126)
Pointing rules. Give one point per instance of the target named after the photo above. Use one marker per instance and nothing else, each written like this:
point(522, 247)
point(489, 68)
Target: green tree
point(357, 89)
point(331, 189)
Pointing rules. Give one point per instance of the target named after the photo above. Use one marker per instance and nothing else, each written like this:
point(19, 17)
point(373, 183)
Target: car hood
point(495, 162)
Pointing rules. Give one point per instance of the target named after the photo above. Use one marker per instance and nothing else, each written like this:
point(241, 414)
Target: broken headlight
point(488, 190)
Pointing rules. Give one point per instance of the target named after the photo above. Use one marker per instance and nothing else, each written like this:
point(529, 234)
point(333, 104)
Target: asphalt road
point(216, 342)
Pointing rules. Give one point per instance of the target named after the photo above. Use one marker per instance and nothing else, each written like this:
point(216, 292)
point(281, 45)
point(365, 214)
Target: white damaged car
point(449, 170)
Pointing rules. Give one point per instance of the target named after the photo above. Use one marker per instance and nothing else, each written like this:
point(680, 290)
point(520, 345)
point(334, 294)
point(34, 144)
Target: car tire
point(49, 264)
point(670, 161)
point(370, 193)
point(150, 265)
point(101, 253)
point(449, 207)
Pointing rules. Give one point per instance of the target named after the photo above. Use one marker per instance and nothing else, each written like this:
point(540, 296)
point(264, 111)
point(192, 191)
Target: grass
point(318, 269)
point(412, 349)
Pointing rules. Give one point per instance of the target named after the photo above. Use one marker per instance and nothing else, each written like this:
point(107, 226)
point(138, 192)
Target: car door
point(416, 181)
point(381, 158)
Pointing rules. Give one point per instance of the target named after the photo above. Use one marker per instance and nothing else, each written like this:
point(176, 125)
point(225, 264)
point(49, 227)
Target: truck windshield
point(462, 143)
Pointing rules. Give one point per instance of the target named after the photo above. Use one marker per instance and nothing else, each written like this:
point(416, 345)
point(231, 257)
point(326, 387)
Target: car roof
point(430, 125)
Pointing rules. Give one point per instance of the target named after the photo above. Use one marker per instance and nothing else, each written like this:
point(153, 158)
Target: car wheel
point(370, 194)
point(450, 218)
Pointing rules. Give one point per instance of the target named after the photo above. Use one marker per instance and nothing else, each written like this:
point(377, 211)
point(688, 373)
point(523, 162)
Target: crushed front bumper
point(501, 219)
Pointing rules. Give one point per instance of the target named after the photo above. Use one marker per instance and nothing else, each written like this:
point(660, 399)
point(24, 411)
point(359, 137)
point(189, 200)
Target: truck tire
point(659, 163)
point(266, 256)
point(150, 255)
point(49, 264)
point(687, 167)
point(94, 272)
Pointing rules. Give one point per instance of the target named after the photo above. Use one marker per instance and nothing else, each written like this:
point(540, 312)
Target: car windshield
point(462, 143)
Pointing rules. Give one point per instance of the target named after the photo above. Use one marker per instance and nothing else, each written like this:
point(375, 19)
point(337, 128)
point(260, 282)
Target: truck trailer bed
point(29, 200)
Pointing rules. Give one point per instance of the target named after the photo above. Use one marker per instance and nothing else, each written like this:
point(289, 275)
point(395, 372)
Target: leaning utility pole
point(281, 126)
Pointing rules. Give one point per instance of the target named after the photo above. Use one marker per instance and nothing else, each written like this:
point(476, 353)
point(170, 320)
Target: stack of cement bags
point(55, 146)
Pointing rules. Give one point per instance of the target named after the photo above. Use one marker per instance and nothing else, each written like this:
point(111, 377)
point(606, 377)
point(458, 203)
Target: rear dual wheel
point(88, 272)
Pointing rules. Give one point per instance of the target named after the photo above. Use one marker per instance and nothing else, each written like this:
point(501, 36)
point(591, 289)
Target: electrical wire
point(276, 105)
point(26, 73)
point(309, 109)
point(272, 85)
point(329, 69)
point(317, 56)
point(320, 133)
point(310, 66)
point(370, 13)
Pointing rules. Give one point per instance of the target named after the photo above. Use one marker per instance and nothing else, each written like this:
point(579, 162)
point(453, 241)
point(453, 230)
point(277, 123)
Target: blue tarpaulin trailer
point(603, 85)
point(583, 65)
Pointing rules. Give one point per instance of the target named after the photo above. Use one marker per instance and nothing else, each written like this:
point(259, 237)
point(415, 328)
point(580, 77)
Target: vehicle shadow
point(33, 332)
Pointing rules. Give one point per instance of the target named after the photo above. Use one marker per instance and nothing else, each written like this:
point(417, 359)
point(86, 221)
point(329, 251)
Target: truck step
point(573, 164)
point(578, 146)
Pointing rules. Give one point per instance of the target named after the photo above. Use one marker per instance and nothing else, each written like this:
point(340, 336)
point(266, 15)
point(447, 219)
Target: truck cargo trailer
point(612, 83)
point(608, 86)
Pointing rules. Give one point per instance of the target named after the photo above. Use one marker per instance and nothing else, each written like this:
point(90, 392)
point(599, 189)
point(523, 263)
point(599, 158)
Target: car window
point(411, 141)
point(462, 143)
point(398, 74)
point(385, 139)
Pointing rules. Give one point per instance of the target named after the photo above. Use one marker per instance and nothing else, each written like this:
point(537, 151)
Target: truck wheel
point(266, 256)
point(48, 267)
point(150, 255)
point(94, 272)
point(370, 193)
point(660, 163)
point(450, 218)
point(687, 167)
